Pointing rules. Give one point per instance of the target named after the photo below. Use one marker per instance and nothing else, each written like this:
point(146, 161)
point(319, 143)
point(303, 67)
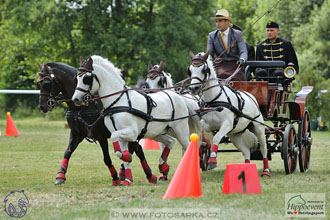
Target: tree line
point(131, 33)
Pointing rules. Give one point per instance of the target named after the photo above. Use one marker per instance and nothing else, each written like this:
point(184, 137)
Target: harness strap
point(248, 95)
point(215, 98)
point(228, 99)
point(79, 115)
point(109, 107)
point(150, 105)
point(173, 110)
point(232, 108)
point(240, 100)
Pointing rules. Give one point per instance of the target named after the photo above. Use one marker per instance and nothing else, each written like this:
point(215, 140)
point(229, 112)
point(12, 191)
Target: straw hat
point(222, 15)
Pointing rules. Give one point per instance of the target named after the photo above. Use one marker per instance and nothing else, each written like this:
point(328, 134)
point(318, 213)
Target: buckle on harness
point(51, 102)
point(87, 97)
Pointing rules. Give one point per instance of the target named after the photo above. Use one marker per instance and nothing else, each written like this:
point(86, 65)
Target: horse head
point(46, 83)
point(198, 71)
point(157, 78)
point(85, 82)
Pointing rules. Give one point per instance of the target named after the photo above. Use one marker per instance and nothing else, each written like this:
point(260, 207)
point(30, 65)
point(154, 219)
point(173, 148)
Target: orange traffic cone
point(11, 129)
point(186, 181)
point(151, 144)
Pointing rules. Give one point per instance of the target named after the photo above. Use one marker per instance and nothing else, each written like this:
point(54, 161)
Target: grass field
point(31, 161)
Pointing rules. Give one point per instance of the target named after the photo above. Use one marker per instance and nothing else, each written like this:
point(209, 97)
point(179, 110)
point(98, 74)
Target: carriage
point(287, 121)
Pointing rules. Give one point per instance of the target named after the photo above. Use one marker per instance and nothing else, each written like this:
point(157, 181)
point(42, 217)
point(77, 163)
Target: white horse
point(131, 115)
point(157, 79)
point(242, 131)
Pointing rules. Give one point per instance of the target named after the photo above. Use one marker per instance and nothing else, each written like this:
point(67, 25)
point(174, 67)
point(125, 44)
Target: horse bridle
point(50, 95)
point(154, 73)
point(88, 80)
point(197, 62)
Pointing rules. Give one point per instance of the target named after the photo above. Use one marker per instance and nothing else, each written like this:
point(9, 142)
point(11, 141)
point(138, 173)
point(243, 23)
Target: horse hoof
point(212, 163)
point(211, 166)
point(153, 179)
point(60, 178)
point(163, 178)
point(116, 182)
point(126, 182)
point(265, 173)
point(164, 168)
point(59, 181)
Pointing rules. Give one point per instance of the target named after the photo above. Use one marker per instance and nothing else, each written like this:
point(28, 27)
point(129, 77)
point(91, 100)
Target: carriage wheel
point(305, 141)
point(290, 149)
point(204, 156)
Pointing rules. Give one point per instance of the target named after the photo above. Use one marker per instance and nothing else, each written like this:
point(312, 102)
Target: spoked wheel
point(290, 149)
point(204, 155)
point(305, 142)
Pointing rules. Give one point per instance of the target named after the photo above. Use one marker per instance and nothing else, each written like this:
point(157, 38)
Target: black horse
point(57, 79)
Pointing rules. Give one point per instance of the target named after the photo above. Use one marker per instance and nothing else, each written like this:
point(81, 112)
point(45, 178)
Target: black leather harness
point(219, 105)
point(111, 110)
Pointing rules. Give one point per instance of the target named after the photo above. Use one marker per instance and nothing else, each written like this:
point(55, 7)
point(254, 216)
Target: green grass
point(31, 160)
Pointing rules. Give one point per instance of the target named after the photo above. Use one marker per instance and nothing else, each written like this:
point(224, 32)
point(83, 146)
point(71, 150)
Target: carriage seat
point(265, 64)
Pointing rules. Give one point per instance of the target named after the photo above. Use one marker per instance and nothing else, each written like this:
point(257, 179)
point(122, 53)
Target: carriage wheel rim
point(291, 155)
point(305, 142)
point(290, 142)
point(306, 158)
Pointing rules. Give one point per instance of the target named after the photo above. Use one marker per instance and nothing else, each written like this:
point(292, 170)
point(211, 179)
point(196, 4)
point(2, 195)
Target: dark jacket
point(281, 49)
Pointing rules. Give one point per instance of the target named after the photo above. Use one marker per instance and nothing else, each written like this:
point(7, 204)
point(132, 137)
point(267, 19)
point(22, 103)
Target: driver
point(229, 47)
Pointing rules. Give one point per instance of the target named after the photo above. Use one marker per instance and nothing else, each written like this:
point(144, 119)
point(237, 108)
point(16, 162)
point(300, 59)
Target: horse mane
point(168, 78)
point(64, 67)
point(107, 66)
point(213, 74)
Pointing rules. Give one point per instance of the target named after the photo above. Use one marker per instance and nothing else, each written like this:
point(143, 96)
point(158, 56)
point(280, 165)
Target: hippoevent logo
point(305, 205)
point(15, 204)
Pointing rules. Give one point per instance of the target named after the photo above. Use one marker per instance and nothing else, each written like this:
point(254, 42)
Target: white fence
point(14, 91)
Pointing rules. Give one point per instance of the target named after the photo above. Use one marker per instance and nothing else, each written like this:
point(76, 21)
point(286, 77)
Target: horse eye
point(87, 80)
point(46, 85)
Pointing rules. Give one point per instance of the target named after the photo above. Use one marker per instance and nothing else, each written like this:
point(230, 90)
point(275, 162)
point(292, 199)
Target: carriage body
point(283, 115)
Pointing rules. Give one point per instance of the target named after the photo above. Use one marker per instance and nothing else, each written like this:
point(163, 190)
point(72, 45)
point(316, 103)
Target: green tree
point(314, 54)
point(32, 36)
